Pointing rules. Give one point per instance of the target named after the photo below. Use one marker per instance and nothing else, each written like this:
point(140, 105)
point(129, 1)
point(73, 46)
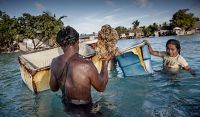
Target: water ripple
point(157, 95)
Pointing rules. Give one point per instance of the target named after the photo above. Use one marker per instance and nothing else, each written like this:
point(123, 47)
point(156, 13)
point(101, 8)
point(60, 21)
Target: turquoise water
point(157, 95)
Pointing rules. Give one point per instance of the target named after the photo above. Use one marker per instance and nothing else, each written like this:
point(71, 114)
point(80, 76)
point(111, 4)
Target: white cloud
point(116, 17)
point(116, 10)
point(153, 14)
point(195, 12)
point(93, 23)
point(138, 17)
point(161, 12)
point(110, 3)
point(160, 21)
point(39, 6)
point(167, 18)
point(142, 3)
point(109, 17)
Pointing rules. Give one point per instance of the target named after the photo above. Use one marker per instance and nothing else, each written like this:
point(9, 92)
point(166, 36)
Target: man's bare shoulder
point(54, 63)
point(83, 64)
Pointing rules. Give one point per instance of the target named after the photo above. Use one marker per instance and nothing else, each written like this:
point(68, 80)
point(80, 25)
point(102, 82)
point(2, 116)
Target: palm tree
point(135, 24)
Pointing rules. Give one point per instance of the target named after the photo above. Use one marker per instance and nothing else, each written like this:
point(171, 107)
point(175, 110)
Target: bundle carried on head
point(107, 40)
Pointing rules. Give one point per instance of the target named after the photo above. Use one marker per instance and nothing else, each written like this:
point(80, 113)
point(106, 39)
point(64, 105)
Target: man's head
point(67, 36)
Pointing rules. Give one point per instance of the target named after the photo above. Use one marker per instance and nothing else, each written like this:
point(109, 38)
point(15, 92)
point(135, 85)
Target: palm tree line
point(182, 18)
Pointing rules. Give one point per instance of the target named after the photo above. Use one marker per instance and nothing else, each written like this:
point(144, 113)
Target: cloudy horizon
point(88, 16)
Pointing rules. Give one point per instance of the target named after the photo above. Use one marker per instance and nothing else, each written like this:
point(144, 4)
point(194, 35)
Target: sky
point(87, 16)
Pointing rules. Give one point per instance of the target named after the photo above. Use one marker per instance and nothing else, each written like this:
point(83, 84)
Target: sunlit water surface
point(156, 95)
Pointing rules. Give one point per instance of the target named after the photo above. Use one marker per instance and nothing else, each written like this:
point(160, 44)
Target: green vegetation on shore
point(182, 19)
point(45, 26)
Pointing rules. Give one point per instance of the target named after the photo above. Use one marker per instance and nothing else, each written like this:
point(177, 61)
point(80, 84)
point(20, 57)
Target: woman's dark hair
point(174, 42)
point(67, 36)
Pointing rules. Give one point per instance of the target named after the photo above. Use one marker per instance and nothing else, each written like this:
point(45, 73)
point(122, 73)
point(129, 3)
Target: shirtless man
point(73, 74)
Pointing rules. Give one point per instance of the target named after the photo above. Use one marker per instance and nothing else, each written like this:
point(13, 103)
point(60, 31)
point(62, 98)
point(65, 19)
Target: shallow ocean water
point(156, 95)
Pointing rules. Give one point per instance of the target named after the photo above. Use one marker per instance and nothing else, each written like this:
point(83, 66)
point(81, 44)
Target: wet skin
point(80, 75)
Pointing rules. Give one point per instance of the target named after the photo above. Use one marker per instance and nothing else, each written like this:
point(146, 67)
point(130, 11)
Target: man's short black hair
point(67, 36)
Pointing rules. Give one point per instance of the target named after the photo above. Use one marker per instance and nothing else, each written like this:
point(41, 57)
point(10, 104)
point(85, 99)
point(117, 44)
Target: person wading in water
point(75, 75)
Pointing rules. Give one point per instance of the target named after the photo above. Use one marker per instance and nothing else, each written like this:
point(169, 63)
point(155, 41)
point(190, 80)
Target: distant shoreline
point(28, 51)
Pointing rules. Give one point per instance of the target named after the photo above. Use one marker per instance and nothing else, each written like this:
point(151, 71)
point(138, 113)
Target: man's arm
point(99, 81)
point(53, 81)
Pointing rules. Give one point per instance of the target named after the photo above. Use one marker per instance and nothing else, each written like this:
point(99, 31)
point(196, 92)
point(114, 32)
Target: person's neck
point(69, 51)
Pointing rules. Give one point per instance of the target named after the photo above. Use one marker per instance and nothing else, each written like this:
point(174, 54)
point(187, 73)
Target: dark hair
point(174, 42)
point(67, 36)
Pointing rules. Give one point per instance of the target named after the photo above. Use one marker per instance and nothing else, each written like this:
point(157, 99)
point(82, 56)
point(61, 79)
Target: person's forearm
point(104, 72)
point(151, 51)
point(150, 48)
point(191, 71)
